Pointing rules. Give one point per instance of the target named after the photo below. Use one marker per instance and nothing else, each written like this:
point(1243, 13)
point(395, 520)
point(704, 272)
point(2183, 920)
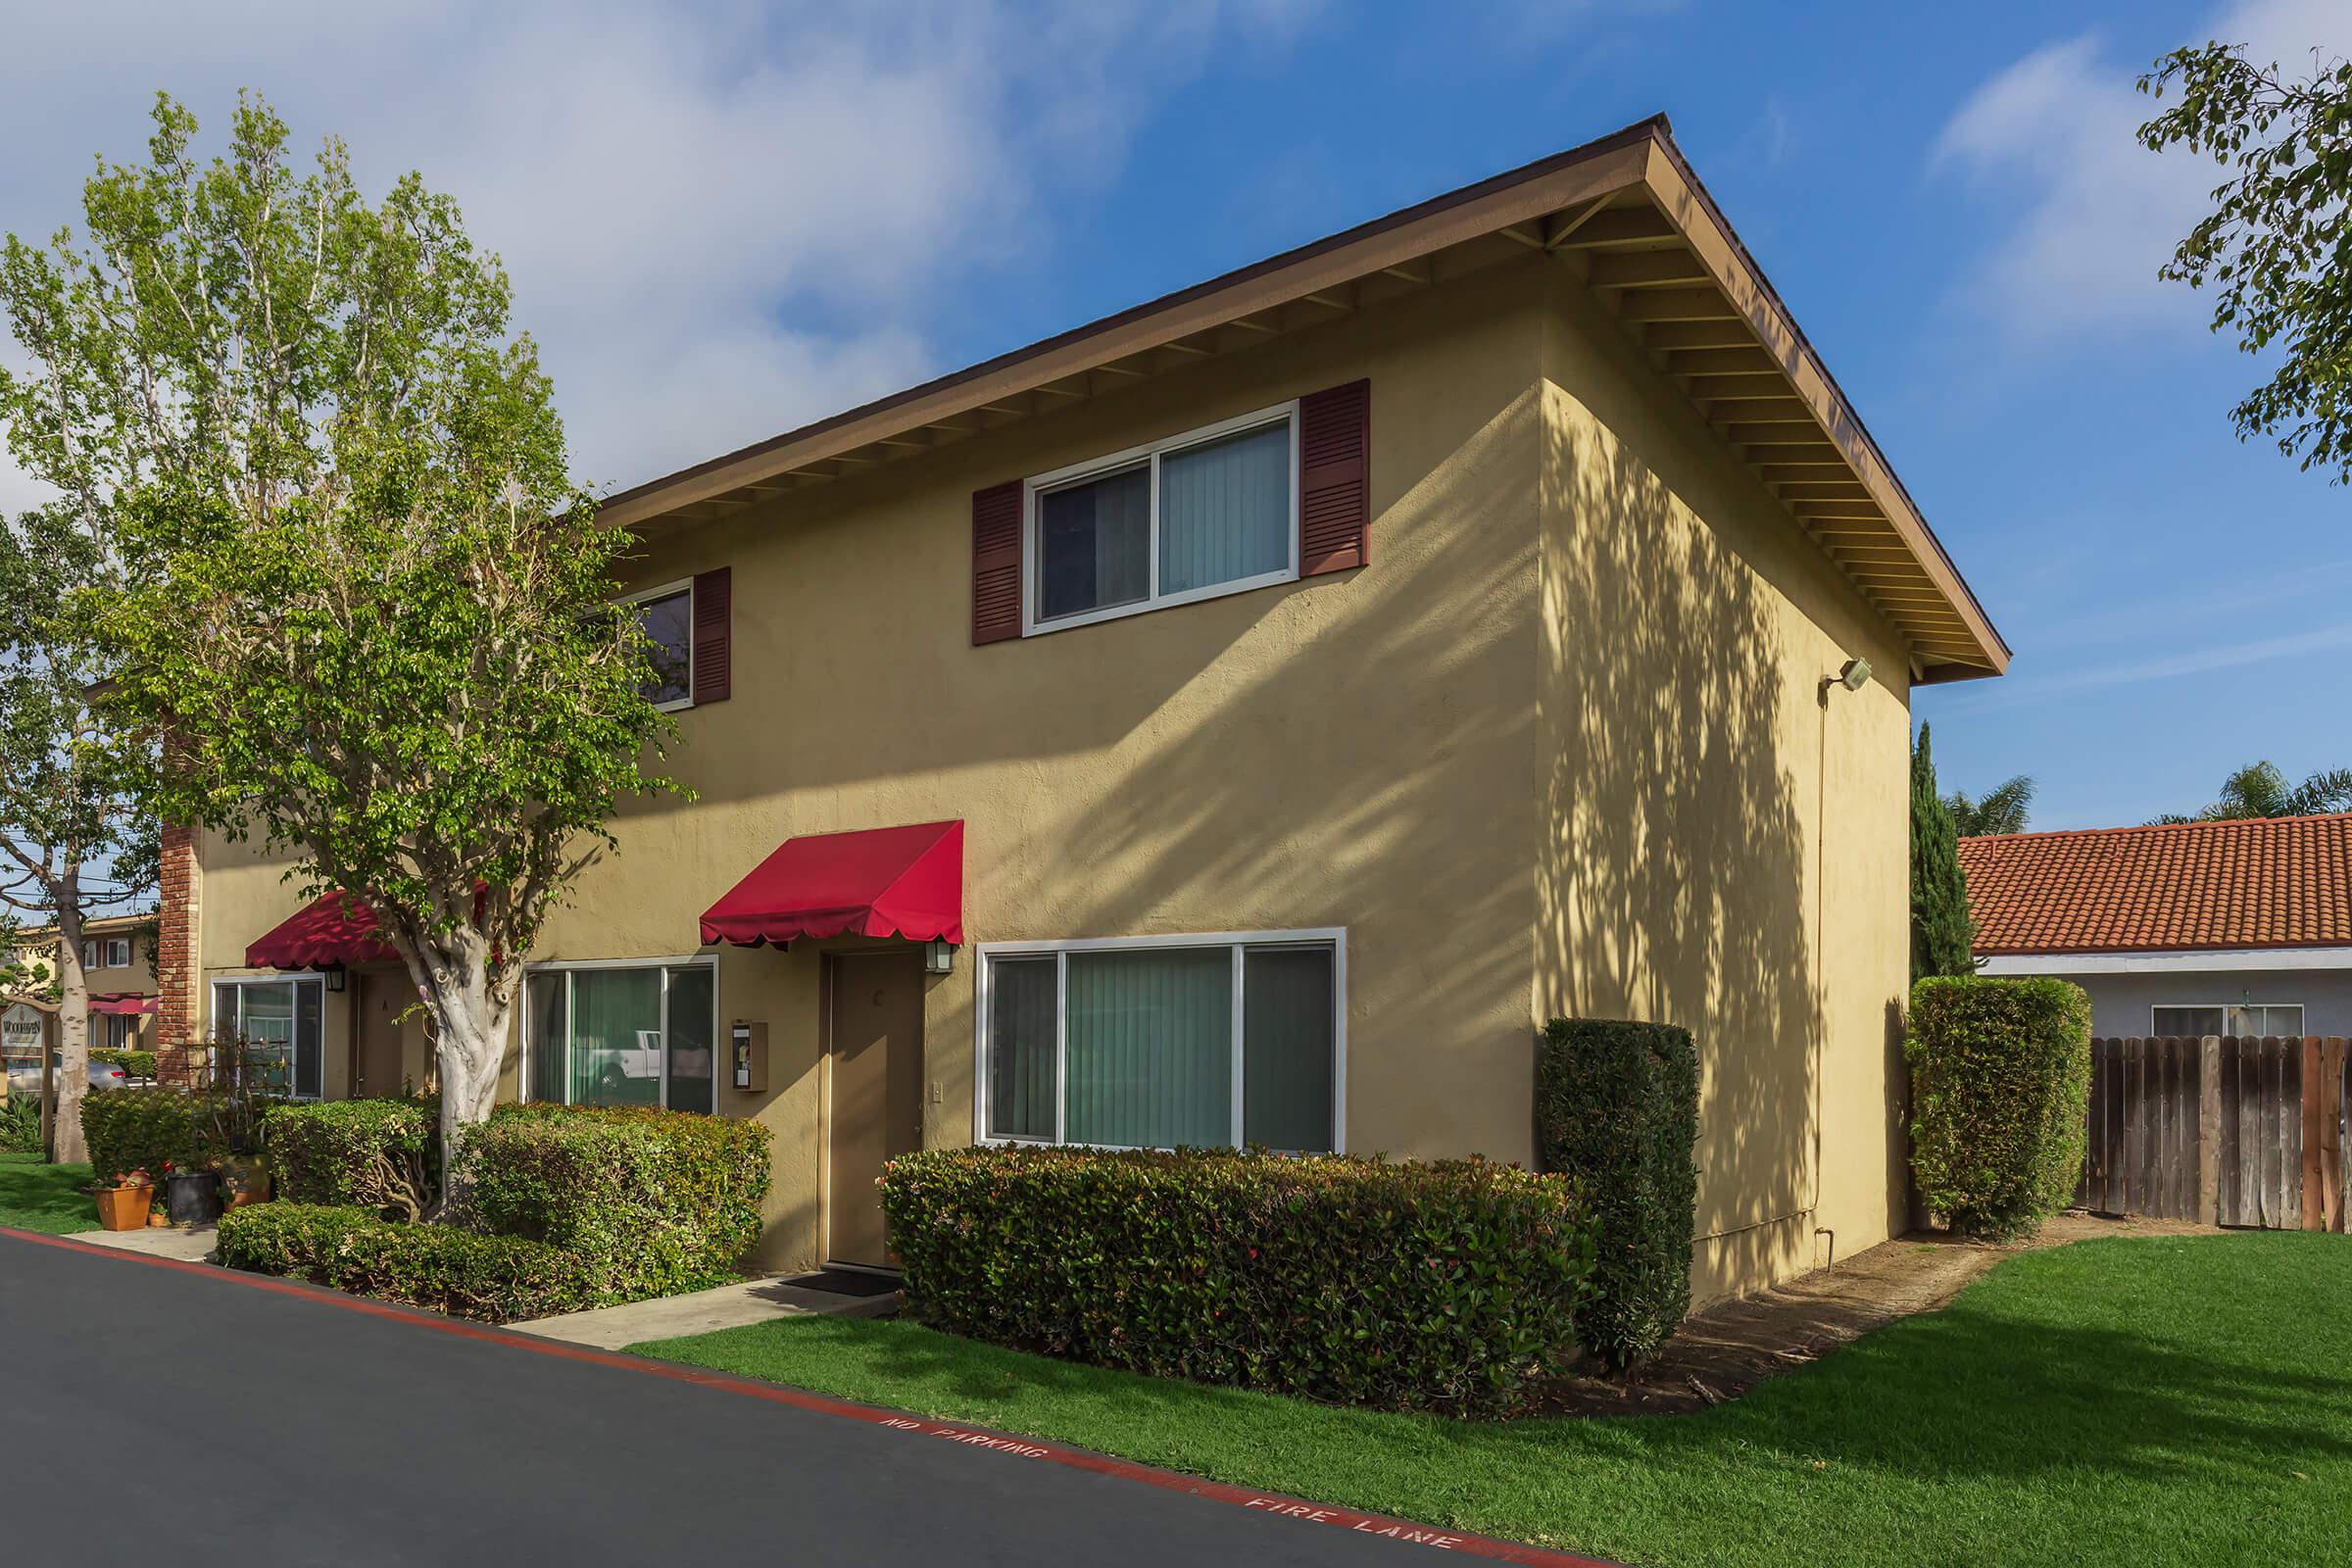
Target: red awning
point(877, 882)
point(122, 1001)
point(330, 930)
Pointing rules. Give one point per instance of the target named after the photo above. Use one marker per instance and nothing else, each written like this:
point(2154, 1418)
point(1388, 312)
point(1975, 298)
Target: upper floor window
point(117, 953)
point(667, 615)
point(1210, 511)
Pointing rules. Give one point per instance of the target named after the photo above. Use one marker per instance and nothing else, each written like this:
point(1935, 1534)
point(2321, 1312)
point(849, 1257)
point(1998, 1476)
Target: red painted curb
point(1273, 1503)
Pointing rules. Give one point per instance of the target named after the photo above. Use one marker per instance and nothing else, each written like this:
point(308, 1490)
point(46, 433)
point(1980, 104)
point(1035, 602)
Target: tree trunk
point(469, 1008)
point(72, 1075)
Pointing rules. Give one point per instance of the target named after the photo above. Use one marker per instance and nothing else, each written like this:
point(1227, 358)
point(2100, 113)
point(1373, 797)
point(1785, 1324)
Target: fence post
point(2209, 1130)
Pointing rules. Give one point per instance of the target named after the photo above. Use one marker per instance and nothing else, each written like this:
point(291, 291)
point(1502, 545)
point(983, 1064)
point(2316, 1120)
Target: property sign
point(23, 1028)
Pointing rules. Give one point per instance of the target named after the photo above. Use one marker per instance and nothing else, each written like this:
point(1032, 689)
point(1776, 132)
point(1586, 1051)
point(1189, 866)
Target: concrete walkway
point(729, 1306)
point(193, 1245)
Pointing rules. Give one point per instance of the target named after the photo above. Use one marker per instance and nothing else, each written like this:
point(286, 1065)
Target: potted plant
point(123, 1200)
point(194, 1195)
point(243, 1084)
point(243, 1180)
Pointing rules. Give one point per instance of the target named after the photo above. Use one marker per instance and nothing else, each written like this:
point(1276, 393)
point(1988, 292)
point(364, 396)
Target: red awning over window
point(122, 1001)
point(878, 882)
point(331, 930)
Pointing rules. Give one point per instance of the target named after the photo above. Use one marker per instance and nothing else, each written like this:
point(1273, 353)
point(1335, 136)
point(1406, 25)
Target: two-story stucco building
point(1245, 718)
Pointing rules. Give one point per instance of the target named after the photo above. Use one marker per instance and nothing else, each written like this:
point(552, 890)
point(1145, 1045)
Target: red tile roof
point(2269, 882)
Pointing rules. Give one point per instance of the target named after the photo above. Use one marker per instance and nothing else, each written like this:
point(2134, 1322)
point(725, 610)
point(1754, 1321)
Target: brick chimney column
point(176, 976)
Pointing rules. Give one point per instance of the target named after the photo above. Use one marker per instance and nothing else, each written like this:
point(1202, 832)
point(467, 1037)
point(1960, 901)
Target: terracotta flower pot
point(124, 1209)
point(243, 1180)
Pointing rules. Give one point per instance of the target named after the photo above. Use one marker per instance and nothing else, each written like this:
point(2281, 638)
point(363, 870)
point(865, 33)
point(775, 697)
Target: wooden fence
point(2224, 1131)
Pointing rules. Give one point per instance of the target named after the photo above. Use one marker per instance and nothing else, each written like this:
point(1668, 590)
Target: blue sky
point(725, 219)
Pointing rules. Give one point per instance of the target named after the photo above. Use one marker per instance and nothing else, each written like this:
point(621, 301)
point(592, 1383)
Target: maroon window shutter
point(1335, 465)
point(997, 563)
point(713, 615)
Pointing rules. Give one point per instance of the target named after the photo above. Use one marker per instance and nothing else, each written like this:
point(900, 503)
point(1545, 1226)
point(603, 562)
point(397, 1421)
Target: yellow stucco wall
point(1507, 756)
point(1700, 865)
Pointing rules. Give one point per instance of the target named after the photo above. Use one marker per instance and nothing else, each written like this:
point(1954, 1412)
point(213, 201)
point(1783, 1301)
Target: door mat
point(844, 1281)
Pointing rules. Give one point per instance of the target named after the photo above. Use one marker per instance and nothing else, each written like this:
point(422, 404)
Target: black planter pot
point(194, 1198)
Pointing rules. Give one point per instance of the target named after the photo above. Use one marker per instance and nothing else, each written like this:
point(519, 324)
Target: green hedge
point(1446, 1287)
point(1617, 1109)
point(2000, 1077)
point(496, 1279)
point(134, 1064)
point(356, 1153)
point(127, 1128)
point(651, 1201)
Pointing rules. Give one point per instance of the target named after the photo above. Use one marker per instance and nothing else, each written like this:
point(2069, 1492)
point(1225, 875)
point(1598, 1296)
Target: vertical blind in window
point(1149, 1054)
point(1140, 1041)
point(1225, 509)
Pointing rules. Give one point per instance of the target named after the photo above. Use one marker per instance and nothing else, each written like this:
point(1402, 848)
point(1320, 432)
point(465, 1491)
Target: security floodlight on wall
point(939, 958)
point(1853, 674)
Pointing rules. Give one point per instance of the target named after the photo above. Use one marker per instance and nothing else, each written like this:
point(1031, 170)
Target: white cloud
point(722, 220)
point(2080, 215)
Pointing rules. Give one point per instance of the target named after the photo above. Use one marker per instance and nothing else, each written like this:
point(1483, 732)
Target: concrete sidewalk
point(193, 1245)
point(728, 1306)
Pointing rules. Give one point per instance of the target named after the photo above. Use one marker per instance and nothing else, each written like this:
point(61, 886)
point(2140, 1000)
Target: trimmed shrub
point(1445, 1287)
point(380, 1154)
point(495, 1279)
point(127, 1128)
point(2000, 1078)
point(651, 1201)
point(1617, 1109)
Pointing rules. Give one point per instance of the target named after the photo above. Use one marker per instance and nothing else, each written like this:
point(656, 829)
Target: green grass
point(2150, 1402)
point(38, 1196)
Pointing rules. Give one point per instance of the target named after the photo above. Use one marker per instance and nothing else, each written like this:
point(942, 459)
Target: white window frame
point(569, 967)
point(2225, 1007)
point(89, 954)
point(122, 945)
point(293, 1045)
point(1334, 938)
point(1149, 455)
point(683, 585)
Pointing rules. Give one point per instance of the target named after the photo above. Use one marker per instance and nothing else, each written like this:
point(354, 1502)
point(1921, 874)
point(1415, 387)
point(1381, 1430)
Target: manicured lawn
point(36, 1197)
point(2181, 1400)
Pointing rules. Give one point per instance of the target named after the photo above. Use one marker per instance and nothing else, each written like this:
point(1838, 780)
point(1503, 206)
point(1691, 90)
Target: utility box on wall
point(746, 1056)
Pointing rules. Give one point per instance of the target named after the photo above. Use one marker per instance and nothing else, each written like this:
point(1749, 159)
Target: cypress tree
point(1943, 931)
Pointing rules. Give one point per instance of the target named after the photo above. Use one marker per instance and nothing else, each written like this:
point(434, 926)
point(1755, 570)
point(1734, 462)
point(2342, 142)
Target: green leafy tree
point(2275, 246)
point(362, 597)
point(77, 838)
point(2000, 810)
point(2260, 789)
point(1943, 933)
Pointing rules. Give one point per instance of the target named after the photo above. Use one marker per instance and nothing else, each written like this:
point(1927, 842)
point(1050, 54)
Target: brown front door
point(378, 1002)
point(876, 1100)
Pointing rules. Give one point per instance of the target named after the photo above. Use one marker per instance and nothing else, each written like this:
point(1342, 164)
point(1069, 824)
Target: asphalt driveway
point(153, 1413)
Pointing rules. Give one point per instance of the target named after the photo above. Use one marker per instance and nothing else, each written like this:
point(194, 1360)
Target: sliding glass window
point(1159, 1044)
point(622, 1034)
point(282, 1022)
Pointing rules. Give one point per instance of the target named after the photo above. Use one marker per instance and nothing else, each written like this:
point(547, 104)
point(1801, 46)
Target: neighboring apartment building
point(2189, 928)
point(118, 957)
point(1245, 718)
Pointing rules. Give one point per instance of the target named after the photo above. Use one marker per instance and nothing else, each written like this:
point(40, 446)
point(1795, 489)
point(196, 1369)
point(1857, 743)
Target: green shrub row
point(495, 1279)
point(380, 1154)
point(1617, 1109)
point(1446, 1286)
point(2000, 1079)
point(134, 1064)
point(127, 1128)
point(651, 1202)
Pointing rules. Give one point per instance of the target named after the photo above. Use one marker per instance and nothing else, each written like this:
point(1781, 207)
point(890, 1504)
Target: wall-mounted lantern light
point(333, 974)
point(939, 958)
